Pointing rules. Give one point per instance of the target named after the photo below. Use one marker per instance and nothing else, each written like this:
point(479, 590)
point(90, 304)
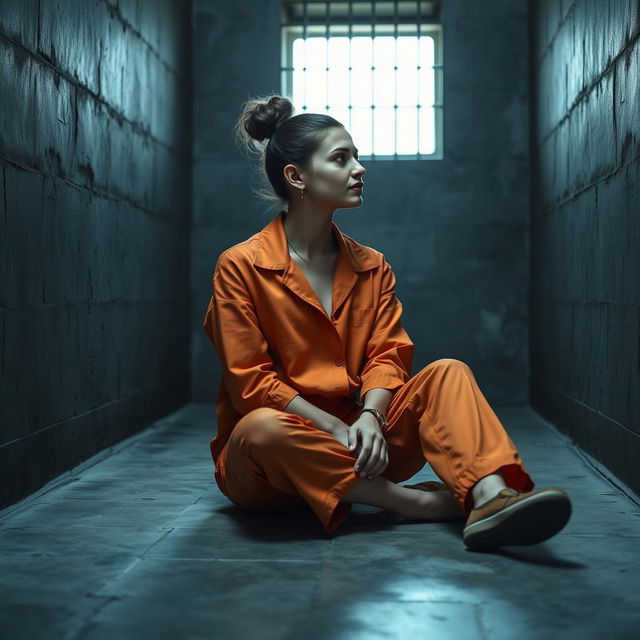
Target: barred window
point(376, 66)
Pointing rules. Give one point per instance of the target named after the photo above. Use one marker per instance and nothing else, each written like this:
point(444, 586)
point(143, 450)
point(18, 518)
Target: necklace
point(299, 256)
point(297, 252)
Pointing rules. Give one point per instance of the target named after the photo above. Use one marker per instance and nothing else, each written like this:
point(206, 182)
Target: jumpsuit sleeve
point(389, 348)
point(233, 328)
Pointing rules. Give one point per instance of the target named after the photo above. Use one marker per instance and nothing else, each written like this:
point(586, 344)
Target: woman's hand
point(373, 458)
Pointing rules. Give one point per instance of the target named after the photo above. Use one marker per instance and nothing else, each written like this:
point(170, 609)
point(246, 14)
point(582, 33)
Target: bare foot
point(432, 505)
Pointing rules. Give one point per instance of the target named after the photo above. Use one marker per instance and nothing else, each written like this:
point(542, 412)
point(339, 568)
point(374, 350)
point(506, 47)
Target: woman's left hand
point(373, 457)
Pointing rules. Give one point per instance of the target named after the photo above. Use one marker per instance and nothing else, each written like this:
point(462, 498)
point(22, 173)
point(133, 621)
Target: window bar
point(437, 95)
point(395, 77)
point(304, 55)
point(372, 31)
point(371, 98)
point(419, 17)
point(349, 75)
point(326, 71)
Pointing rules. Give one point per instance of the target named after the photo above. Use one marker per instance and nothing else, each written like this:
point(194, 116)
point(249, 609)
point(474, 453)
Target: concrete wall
point(585, 236)
point(95, 197)
point(454, 230)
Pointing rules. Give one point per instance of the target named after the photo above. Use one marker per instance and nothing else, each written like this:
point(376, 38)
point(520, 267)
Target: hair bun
point(264, 116)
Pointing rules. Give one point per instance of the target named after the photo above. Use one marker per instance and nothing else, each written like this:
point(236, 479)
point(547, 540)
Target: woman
point(303, 318)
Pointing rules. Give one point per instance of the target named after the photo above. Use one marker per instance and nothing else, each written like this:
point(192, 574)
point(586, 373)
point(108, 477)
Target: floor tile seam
point(157, 504)
point(135, 559)
point(84, 621)
point(236, 560)
point(478, 616)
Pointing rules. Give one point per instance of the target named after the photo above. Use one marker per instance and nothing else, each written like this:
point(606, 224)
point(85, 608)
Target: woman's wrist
point(333, 425)
point(375, 416)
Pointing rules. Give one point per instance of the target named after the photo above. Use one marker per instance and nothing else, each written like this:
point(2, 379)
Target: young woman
point(303, 317)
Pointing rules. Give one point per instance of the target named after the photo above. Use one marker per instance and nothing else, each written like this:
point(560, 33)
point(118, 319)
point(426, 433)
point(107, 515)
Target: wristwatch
point(382, 421)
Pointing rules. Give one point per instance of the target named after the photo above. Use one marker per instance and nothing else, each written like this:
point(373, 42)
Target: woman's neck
point(311, 235)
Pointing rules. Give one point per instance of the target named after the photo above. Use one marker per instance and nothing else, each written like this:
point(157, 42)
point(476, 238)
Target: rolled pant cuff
point(515, 476)
point(333, 512)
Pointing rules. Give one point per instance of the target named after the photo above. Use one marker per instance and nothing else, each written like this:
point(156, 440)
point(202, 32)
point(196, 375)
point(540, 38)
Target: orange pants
point(275, 461)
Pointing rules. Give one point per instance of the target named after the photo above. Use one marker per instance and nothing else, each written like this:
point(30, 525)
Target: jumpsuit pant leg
point(441, 416)
point(276, 460)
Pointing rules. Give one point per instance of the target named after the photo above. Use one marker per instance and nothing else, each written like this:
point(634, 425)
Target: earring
point(302, 194)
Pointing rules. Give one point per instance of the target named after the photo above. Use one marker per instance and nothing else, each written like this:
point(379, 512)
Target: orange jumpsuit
point(275, 341)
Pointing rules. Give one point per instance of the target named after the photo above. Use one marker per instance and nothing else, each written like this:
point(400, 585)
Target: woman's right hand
point(341, 434)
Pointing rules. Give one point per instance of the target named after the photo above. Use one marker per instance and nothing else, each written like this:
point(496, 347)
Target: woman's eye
point(341, 156)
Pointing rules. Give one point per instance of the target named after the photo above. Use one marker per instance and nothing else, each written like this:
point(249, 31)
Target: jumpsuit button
point(339, 363)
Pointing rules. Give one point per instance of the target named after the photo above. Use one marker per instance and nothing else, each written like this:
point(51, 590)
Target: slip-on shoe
point(517, 518)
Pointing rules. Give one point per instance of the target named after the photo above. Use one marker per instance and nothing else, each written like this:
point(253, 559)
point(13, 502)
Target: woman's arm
point(378, 399)
point(321, 419)
point(232, 325)
point(375, 399)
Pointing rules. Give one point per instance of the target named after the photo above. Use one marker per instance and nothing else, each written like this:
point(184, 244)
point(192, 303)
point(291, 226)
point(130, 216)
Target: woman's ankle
point(487, 488)
point(379, 492)
point(433, 505)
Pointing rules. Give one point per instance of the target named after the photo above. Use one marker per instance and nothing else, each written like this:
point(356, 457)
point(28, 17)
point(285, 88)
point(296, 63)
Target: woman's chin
point(353, 202)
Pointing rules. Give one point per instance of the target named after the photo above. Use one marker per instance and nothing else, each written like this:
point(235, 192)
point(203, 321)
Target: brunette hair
point(291, 140)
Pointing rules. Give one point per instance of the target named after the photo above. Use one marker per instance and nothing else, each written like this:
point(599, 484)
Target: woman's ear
point(293, 177)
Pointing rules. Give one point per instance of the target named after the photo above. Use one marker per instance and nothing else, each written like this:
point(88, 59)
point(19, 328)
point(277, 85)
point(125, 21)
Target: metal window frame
point(368, 25)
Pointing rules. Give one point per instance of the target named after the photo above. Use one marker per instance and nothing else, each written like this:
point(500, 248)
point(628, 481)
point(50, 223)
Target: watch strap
point(382, 421)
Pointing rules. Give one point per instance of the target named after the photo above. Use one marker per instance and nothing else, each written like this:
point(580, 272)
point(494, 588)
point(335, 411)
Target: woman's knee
point(260, 426)
point(447, 363)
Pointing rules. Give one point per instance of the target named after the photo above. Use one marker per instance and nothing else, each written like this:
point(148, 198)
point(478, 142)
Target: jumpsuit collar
point(273, 251)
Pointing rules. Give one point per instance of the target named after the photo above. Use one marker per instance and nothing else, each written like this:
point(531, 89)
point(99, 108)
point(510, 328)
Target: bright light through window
point(382, 88)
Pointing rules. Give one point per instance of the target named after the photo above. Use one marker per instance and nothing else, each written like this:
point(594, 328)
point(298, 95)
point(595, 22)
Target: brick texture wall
point(95, 195)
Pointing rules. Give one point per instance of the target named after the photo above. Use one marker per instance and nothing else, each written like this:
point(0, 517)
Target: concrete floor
point(138, 542)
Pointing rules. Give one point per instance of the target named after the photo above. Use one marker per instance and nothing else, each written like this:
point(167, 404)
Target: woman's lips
point(357, 187)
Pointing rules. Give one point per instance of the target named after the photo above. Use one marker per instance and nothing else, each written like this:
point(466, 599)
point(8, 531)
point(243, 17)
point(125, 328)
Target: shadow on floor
point(143, 544)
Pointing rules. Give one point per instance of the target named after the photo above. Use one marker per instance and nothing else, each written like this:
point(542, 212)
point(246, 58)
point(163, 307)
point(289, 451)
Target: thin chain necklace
point(299, 256)
point(297, 252)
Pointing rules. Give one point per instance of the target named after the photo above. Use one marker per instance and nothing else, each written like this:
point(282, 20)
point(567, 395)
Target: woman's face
point(334, 170)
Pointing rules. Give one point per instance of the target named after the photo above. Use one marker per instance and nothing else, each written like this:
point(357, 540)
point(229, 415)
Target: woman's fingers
point(383, 461)
point(373, 458)
point(365, 450)
point(376, 457)
point(352, 439)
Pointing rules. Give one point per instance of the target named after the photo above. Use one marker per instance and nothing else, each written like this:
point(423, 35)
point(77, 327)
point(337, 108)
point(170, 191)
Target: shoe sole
point(525, 522)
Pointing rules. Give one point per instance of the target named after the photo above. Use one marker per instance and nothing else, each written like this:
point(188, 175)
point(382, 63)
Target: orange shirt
point(275, 339)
